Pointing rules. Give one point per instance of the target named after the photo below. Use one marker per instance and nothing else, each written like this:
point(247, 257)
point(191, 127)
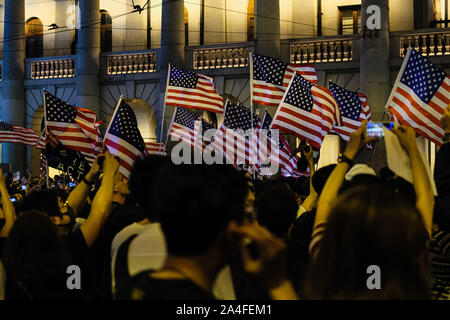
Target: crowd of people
point(183, 232)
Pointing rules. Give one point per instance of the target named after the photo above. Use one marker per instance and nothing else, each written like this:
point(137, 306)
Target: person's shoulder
point(148, 288)
point(76, 243)
point(126, 233)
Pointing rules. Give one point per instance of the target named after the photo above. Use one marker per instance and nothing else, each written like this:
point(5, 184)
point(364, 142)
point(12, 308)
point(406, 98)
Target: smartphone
point(13, 199)
point(24, 187)
point(375, 129)
point(72, 184)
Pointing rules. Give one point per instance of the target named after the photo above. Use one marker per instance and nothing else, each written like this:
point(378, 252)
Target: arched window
point(186, 27)
point(251, 20)
point(105, 31)
point(34, 33)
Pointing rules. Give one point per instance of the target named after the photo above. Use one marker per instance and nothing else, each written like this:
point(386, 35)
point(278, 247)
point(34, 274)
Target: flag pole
point(46, 134)
point(250, 54)
point(164, 108)
point(171, 124)
point(110, 122)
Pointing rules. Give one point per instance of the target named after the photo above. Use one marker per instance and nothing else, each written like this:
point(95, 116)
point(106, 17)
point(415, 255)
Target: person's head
point(121, 190)
point(61, 196)
point(321, 176)
point(276, 209)
point(142, 178)
point(47, 201)
point(371, 225)
point(195, 204)
point(44, 201)
point(33, 251)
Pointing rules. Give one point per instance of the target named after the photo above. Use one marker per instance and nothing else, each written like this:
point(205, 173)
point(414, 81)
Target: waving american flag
point(123, 138)
point(201, 126)
point(156, 148)
point(354, 110)
point(271, 78)
point(182, 126)
point(307, 111)
point(233, 138)
point(282, 156)
point(16, 134)
point(192, 90)
point(76, 128)
point(420, 95)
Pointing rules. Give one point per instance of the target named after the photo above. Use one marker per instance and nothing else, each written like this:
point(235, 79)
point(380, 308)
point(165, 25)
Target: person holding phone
point(366, 224)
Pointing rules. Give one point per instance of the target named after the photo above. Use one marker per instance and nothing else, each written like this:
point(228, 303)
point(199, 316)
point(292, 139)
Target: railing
point(53, 68)
point(314, 51)
point(220, 58)
point(129, 63)
point(427, 43)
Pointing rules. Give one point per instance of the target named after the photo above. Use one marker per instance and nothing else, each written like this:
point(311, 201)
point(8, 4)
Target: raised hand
point(110, 165)
point(445, 120)
point(407, 138)
point(358, 140)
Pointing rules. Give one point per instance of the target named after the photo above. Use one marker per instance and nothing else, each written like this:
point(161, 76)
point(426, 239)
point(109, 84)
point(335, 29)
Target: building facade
point(91, 52)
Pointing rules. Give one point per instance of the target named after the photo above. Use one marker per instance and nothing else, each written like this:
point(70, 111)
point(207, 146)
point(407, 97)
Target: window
point(441, 11)
point(34, 33)
point(186, 27)
point(105, 31)
point(349, 19)
point(251, 20)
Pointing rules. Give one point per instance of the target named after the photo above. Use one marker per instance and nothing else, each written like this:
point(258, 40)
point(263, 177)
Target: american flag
point(353, 107)
point(282, 156)
point(420, 96)
point(200, 128)
point(230, 138)
point(76, 128)
point(123, 138)
point(16, 134)
point(192, 90)
point(182, 126)
point(307, 111)
point(43, 166)
point(156, 148)
point(42, 142)
point(271, 78)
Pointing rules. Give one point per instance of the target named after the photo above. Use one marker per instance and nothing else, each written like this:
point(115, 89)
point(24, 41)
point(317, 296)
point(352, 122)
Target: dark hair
point(195, 203)
point(371, 225)
point(42, 200)
point(61, 194)
point(141, 180)
point(276, 209)
point(321, 176)
point(33, 251)
point(360, 180)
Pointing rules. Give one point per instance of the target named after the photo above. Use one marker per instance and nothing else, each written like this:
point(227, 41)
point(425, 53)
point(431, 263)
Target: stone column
point(172, 50)
point(374, 60)
point(13, 97)
point(375, 70)
point(268, 28)
point(88, 56)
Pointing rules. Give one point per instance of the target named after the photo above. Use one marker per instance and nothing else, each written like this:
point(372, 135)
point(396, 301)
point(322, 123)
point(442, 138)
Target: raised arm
point(422, 185)
point(442, 169)
point(101, 205)
point(8, 207)
point(78, 195)
point(311, 200)
point(327, 199)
